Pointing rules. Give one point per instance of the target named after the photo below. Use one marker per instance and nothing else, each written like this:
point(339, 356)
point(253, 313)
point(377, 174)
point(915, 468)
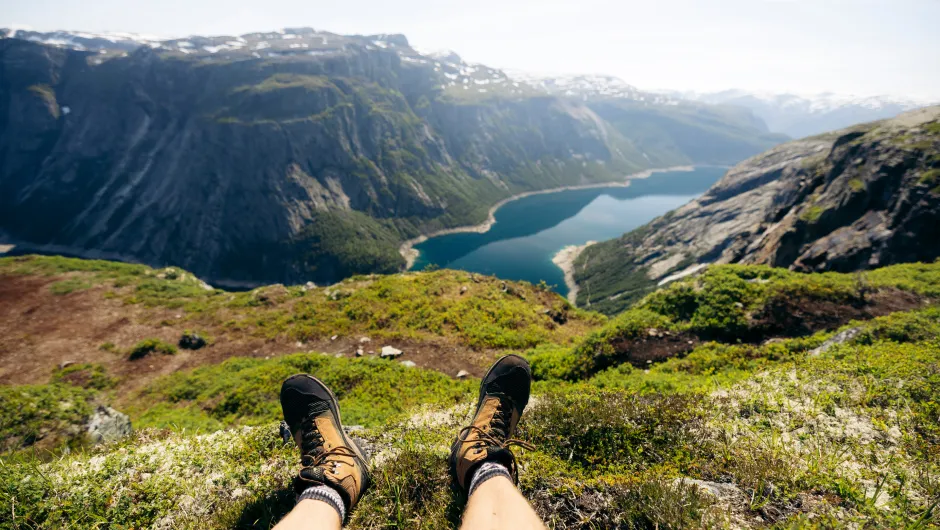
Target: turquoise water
point(529, 232)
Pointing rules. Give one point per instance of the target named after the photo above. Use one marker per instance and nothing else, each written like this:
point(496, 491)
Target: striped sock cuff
point(486, 471)
point(327, 495)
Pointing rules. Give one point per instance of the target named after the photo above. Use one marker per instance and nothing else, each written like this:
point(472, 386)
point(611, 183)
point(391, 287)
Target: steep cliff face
point(279, 157)
point(855, 199)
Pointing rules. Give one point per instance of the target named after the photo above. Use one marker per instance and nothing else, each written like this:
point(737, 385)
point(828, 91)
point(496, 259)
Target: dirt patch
point(655, 346)
point(39, 331)
point(801, 316)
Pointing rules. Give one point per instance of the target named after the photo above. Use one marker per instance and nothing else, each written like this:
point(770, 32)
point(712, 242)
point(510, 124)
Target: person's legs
point(334, 473)
point(311, 515)
point(497, 504)
point(480, 459)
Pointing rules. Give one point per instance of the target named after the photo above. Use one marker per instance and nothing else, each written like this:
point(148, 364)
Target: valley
point(725, 327)
point(527, 233)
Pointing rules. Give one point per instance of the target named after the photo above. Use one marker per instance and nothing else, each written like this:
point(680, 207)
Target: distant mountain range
point(800, 116)
point(300, 154)
point(796, 116)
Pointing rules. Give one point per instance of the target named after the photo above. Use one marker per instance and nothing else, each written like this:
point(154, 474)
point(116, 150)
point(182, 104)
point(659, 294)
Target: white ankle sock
point(486, 471)
point(326, 494)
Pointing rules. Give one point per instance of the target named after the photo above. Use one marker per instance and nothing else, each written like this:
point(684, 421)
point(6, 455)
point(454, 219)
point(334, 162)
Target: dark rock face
point(273, 157)
point(851, 200)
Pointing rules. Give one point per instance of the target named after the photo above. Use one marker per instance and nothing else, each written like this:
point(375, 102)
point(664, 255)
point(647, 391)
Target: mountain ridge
point(340, 147)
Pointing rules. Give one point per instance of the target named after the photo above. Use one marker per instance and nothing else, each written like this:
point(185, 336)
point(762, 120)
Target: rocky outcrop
point(855, 199)
point(281, 157)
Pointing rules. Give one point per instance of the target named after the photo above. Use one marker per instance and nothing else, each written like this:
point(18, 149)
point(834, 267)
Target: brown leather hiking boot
point(504, 393)
point(327, 455)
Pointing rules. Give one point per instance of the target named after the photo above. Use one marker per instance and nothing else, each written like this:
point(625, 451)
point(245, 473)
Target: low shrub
point(148, 346)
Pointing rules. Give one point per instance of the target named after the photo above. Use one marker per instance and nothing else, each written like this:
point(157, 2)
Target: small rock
point(363, 340)
point(408, 364)
point(206, 286)
point(107, 425)
point(463, 374)
point(359, 352)
point(338, 355)
point(191, 341)
point(64, 364)
point(284, 431)
point(309, 286)
point(389, 352)
point(334, 337)
point(298, 344)
point(653, 332)
point(463, 289)
point(838, 338)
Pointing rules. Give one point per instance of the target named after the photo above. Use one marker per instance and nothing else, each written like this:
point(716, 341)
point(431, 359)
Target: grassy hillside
point(743, 397)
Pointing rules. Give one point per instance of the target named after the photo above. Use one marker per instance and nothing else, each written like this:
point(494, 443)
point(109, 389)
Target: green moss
point(812, 213)
point(856, 185)
point(930, 177)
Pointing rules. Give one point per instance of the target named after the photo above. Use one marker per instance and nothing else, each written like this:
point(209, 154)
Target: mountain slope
point(800, 116)
point(851, 200)
point(287, 156)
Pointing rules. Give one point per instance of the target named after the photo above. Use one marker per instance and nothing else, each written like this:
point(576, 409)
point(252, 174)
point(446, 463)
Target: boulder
point(838, 338)
point(107, 425)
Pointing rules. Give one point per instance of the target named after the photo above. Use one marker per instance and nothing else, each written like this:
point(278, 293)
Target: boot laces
point(497, 435)
point(312, 452)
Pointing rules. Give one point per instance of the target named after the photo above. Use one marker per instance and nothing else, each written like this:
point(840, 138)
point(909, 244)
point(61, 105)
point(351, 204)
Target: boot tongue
point(500, 424)
point(314, 410)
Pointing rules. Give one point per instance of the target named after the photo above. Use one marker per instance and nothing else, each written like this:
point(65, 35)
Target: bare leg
point(497, 505)
point(311, 515)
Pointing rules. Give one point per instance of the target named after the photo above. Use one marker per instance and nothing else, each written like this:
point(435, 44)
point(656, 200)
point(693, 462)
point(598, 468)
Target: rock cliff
point(856, 199)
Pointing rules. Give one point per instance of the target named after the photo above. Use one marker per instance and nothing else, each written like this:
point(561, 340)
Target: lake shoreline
point(411, 254)
point(565, 259)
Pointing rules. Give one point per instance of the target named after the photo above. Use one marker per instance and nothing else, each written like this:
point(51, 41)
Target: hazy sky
point(847, 46)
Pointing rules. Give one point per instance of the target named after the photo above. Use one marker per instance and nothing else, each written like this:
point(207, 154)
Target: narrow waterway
point(529, 232)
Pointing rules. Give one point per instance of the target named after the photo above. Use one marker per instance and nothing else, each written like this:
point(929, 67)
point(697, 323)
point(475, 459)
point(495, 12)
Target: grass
point(730, 304)
point(42, 416)
point(430, 306)
point(245, 391)
point(69, 286)
point(846, 437)
point(85, 375)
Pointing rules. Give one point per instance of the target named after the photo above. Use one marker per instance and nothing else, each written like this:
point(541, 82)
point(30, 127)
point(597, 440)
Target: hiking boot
point(504, 393)
point(327, 455)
